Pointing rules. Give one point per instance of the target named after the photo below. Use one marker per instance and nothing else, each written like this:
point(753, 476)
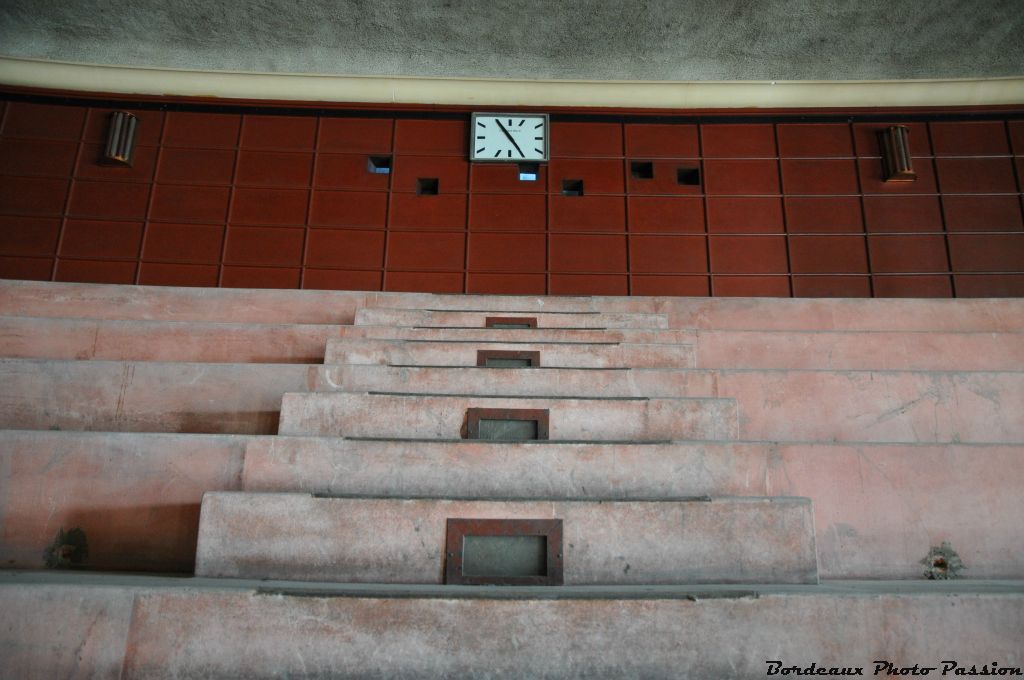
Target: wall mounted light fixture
point(896, 162)
point(120, 138)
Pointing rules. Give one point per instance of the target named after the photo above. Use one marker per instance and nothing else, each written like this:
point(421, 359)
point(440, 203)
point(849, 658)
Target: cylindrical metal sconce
point(120, 138)
point(896, 163)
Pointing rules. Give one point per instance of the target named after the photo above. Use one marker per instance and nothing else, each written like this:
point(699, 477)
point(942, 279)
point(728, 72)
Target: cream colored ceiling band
point(486, 92)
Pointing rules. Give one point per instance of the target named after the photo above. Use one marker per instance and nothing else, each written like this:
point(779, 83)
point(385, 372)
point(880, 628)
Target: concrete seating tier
point(431, 318)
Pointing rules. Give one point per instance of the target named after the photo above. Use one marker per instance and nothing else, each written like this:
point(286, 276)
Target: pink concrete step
point(519, 335)
point(551, 355)
point(381, 540)
point(409, 416)
point(478, 319)
point(65, 625)
point(115, 340)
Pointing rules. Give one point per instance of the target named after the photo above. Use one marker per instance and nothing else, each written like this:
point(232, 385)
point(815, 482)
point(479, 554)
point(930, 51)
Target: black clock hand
point(510, 138)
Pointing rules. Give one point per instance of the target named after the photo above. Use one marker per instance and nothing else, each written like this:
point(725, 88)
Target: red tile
point(870, 170)
point(589, 284)
point(993, 285)
point(819, 177)
point(578, 140)
point(507, 252)
point(348, 171)
point(368, 135)
point(25, 268)
point(688, 286)
point(827, 255)
point(504, 178)
point(194, 243)
point(746, 140)
point(426, 251)
point(37, 157)
point(91, 271)
point(109, 199)
point(982, 213)
point(588, 253)
point(902, 213)
point(269, 168)
point(662, 141)
point(741, 177)
point(811, 215)
point(32, 196)
point(908, 254)
point(187, 203)
point(507, 284)
point(750, 286)
point(451, 173)
point(504, 212)
point(202, 130)
point(260, 277)
point(91, 166)
point(424, 282)
point(913, 286)
point(148, 127)
point(279, 132)
point(588, 213)
point(162, 274)
point(409, 211)
point(748, 255)
point(666, 215)
point(745, 215)
point(339, 279)
point(865, 138)
point(345, 249)
point(599, 176)
point(969, 138)
point(349, 208)
point(269, 206)
point(196, 166)
point(32, 236)
point(831, 286)
point(668, 254)
point(976, 175)
point(93, 239)
point(440, 137)
point(987, 253)
point(1016, 129)
point(264, 246)
point(814, 140)
point(46, 121)
point(666, 178)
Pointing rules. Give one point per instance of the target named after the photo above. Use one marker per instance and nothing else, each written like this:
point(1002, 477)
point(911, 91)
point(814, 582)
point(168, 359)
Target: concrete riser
point(298, 537)
point(444, 417)
point(478, 319)
point(519, 335)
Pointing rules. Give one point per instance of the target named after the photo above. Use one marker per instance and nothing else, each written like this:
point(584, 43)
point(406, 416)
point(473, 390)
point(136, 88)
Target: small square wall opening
point(500, 358)
point(572, 187)
point(507, 424)
point(379, 165)
point(511, 552)
point(688, 176)
point(510, 322)
point(427, 186)
point(641, 170)
point(528, 172)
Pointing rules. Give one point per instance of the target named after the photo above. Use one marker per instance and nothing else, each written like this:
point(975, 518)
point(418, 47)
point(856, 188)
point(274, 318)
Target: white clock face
point(509, 137)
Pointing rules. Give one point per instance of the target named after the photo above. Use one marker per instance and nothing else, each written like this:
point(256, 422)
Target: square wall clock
point(508, 137)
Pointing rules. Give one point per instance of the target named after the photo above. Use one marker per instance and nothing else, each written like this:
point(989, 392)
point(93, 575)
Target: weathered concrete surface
point(373, 540)
point(205, 628)
point(136, 497)
point(402, 416)
point(115, 340)
point(382, 316)
point(520, 335)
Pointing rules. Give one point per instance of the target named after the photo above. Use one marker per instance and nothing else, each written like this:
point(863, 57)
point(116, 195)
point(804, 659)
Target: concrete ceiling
point(533, 39)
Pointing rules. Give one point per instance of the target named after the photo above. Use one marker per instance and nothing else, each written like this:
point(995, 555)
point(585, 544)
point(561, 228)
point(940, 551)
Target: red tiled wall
point(255, 200)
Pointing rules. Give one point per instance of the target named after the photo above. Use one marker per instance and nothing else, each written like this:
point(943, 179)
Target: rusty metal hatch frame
point(482, 355)
point(475, 415)
point(550, 529)
point(528, 321)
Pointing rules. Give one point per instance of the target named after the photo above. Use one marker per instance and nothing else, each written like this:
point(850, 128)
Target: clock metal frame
point(498, 114)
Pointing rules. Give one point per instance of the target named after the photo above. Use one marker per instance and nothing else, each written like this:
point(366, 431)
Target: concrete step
point(196, 341)
point(478, 319)
point(551, 355)
point(386, 540)
point(520, 335)
point(432, 416)
point(64, 625)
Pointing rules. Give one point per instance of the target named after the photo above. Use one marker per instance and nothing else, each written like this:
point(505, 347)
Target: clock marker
point(481, 124)
point(536, 138)
point(521, 122)
point(538, 151)
point(510, 122)
point(497, 153)
point(538, 125)
point(510, 153)
point(481, 149)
